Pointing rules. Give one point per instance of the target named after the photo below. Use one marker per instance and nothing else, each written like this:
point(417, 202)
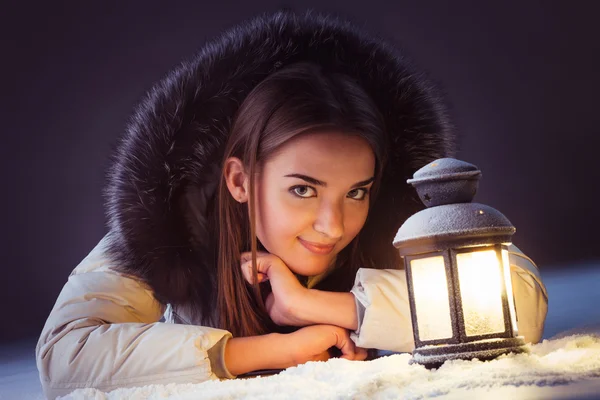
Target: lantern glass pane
point(432, 302)
point(480, 282)
point(509, 291)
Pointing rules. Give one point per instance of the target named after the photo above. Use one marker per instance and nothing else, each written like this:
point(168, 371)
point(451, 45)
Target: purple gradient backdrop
point(522, 77)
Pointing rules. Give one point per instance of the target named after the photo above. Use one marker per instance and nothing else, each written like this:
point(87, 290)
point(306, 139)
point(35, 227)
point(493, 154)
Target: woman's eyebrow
point(307, 179)
point(317, 182)
point(363, 183)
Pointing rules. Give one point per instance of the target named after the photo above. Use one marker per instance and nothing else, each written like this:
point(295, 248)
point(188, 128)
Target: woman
point(258, 187)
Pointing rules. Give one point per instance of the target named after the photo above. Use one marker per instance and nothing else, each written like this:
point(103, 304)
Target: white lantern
point(458, 273)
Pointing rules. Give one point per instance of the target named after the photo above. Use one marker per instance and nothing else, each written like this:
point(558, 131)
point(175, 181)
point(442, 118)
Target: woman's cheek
point(358, 217)
point(294, 221)
point(287, 220)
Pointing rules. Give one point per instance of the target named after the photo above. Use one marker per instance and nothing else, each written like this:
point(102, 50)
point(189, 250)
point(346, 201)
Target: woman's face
point(313, 198)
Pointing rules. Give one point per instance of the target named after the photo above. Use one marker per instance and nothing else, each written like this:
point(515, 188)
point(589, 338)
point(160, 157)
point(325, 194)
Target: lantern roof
point(447, 187)
point(445, 169)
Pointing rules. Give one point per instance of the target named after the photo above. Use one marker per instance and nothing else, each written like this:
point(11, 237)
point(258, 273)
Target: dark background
point(522, 78)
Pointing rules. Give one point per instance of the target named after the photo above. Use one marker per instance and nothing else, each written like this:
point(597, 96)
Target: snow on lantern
point(458, 274)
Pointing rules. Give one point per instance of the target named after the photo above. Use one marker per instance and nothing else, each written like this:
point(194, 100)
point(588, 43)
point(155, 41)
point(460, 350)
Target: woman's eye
point(303, 191)
point(358, 194)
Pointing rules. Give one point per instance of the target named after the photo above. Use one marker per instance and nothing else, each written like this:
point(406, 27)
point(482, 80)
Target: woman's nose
point(330, 221)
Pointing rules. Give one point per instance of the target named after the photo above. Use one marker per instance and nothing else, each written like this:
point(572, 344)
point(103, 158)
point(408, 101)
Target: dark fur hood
point(172, 148)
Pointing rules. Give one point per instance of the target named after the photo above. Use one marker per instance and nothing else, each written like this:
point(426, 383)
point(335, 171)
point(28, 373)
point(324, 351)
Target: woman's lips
point(317, 248)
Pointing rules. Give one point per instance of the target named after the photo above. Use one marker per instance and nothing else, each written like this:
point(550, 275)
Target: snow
point(550, 363)
point(566, 365)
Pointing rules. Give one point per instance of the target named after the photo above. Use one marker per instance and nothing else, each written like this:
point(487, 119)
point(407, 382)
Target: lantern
point(457, 268)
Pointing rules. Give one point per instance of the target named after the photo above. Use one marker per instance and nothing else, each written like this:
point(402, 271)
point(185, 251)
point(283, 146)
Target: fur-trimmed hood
point(174, 142)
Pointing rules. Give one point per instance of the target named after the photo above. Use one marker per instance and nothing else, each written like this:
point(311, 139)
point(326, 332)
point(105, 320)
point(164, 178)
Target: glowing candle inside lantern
point(432, 303)
point(480, 281)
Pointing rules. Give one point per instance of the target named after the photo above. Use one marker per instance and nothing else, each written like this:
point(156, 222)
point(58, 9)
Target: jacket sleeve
point(103, 333)
point(384, 318)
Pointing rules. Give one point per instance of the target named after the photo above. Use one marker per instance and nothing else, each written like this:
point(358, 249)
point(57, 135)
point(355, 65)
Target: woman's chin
point(312, 270)
point(309, 267)
point(308, 264)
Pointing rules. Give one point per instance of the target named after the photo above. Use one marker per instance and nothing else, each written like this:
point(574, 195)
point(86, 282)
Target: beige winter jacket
point(104, 330)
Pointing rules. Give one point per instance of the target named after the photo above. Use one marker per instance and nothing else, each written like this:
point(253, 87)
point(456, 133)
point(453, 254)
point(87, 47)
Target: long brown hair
point(294, 100)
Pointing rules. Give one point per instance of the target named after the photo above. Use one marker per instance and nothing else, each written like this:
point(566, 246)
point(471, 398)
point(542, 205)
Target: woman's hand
point(287, 293)
point(311, 343)
point(280, 351)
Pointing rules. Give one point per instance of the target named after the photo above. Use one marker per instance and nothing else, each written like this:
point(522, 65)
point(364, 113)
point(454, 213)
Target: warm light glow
point(509, 291)
point(480, 284)
point(430, 288)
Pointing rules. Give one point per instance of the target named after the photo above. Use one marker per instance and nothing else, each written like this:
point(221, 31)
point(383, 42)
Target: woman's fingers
point(344, 343)
point(247, 255)
point(360, 354)
point(246, 261)
point(347, 346)
point(247, 271)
